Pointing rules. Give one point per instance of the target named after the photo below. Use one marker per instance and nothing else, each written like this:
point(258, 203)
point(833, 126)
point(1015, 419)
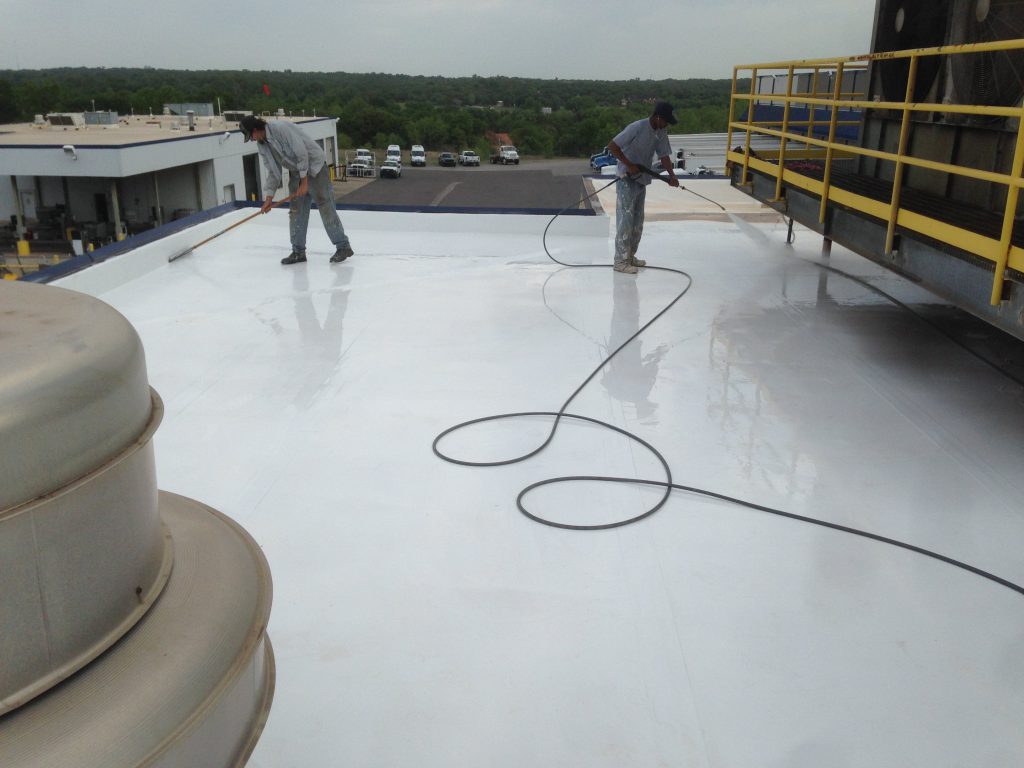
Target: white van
point(394, 153)
point(418, 155)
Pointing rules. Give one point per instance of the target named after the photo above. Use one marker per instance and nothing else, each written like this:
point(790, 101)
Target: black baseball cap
point(664, 110)
point(248, 124)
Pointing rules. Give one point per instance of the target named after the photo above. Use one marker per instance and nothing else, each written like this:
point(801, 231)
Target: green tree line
point(552, 117)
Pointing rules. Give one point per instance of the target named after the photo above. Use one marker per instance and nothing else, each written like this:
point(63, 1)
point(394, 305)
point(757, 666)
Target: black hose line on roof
point(666, 484)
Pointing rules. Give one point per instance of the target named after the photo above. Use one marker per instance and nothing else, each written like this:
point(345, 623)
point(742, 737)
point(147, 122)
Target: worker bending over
point(282, 144)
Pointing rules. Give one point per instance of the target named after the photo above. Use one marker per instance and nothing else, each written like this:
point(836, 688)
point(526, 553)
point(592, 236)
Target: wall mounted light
point(69, 151)
point(225, 136)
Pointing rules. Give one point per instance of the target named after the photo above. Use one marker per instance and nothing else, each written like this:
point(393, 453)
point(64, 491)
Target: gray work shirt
point(642, 145)
point(288, 146)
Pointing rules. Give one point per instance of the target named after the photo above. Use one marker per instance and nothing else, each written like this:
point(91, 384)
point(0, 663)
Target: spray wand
point(659, 177)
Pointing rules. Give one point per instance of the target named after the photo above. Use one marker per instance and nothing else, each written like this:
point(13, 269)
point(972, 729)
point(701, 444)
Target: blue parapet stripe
point(128, 244)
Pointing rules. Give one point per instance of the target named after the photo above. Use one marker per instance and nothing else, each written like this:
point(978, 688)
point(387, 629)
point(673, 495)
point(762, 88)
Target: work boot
point(624, 266)
point(637, 262)
point(295, 257)
point(341, 254)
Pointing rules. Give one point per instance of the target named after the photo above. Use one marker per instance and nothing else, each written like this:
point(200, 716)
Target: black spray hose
point(666, 483)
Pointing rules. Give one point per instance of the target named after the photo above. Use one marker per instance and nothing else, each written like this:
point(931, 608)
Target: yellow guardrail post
point(785, 133)
point(897, 181)
point(732, 112)
point(750, 125)
point(833, 123)
point(811, 107)
point(1012, 195)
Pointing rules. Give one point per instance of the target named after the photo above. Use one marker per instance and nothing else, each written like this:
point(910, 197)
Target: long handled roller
point(191, 248)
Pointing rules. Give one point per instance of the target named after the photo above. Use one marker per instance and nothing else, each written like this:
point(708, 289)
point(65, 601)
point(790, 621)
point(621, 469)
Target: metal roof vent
point(148, 608)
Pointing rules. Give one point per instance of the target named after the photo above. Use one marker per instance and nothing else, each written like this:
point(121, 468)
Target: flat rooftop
point(130, 129)
point(420, 619)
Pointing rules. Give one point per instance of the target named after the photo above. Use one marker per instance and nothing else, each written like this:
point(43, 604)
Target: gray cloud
point(529, 38)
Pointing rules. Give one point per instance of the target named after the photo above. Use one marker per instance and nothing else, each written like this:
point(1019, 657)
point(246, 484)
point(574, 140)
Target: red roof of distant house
point(499, 139)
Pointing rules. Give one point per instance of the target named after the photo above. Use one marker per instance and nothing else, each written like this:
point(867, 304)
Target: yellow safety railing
point(1000, 252)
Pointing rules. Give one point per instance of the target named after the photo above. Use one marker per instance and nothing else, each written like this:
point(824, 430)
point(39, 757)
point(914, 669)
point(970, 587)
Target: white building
point(111, 180)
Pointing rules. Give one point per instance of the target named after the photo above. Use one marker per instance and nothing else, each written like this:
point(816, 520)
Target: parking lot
point(548, 184)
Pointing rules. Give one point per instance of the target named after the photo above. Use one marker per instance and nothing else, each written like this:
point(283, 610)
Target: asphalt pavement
point(544, 184)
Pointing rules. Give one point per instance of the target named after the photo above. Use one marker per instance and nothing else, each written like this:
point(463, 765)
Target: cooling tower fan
point(903, 25)
point(989, 78)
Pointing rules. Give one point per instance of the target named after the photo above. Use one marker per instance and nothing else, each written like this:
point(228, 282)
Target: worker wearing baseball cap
point(637, 144)
point(281, 145)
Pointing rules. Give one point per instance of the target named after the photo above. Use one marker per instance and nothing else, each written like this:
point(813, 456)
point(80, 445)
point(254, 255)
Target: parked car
point(364, 155)
point(597, 162)
point(390, 169)
point(394, 153)
point(469, 157)
point(417, 155)
point(359, 168)
point(446, 159)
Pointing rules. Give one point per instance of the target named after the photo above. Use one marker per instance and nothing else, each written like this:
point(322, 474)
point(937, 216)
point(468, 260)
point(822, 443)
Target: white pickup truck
point(469, 157)
point(506, 154)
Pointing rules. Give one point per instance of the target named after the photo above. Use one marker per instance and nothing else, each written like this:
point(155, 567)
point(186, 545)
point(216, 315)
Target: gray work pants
point(629, 218)
point(322, 192)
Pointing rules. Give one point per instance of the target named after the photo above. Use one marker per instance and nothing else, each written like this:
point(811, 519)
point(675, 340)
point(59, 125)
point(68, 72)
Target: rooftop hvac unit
point(901, 25)
point(100, 118)
point(993, 78)
point(66, 118)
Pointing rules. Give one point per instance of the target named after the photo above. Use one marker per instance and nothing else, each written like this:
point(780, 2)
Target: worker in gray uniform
point(282, 144)
point(637, 144)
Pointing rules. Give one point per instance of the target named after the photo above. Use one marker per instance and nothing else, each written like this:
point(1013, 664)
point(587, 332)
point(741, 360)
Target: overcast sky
point(596, 39)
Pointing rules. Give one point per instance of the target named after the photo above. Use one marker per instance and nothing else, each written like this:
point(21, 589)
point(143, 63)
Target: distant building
point(111, 177)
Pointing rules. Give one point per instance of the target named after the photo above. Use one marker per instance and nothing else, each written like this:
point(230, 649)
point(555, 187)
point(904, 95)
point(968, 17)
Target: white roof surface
point(420, 620)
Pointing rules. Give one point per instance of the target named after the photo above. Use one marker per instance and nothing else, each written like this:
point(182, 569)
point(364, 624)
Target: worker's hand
point(672, 180)
point(633, 170)
point(267, 205)
point(303, 187)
